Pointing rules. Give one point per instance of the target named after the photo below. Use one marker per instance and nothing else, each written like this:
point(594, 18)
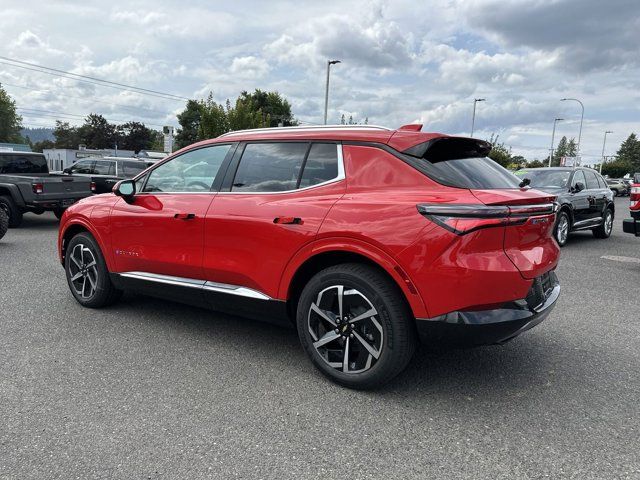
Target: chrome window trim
point(199, 284)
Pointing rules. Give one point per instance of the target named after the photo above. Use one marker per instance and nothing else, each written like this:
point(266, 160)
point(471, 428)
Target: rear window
point(474, 173)
point(27, 164)
point(269, 167)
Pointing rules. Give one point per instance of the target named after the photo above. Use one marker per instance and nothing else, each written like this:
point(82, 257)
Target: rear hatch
point(525, 215)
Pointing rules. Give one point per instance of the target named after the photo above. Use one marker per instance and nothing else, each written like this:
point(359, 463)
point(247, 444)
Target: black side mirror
point(125, 189)
point(578, 187)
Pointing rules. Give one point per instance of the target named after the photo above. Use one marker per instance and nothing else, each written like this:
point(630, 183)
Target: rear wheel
point(87, 273)
point(561, 230)
point(604, 230)
point(4, 223)
point(355, 326)
point(11, 209)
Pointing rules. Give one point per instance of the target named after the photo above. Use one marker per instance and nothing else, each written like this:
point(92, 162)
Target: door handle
point(185, 216)
point(288, 220)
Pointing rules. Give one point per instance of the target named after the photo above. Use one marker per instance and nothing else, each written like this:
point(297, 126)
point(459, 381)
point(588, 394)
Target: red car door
point(272, 206)
point(161, 231)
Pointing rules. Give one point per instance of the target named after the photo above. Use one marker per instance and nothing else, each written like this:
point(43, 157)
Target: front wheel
point(11, 209)
point(604, 230)
point(87, 273)
point(355, 325)
point(561, 230)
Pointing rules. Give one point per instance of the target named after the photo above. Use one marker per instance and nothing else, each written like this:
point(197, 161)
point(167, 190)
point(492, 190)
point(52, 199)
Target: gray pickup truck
point(27, 186)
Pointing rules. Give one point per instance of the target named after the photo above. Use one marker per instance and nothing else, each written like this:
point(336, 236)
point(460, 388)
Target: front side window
point(193, 171)
point(321, 165)
point(592, 181)
point(546, 178)
point(269, 167)
point(578, 177)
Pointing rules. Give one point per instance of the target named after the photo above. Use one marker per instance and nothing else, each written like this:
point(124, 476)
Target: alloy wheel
point(608, 222)
point(82, 271)
point(562, 230)
point(345, 329)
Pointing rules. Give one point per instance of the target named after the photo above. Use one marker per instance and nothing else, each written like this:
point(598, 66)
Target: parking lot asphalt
point(152, 389)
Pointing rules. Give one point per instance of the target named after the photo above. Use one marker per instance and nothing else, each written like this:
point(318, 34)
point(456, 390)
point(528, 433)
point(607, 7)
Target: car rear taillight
point(93, 186)
point(37, 187)
point(462, 218)
point(634, 197)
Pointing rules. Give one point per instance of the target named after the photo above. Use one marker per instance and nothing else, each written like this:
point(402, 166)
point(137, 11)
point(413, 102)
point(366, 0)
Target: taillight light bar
point(634, 197)
point(37, 187)
point(462, 218)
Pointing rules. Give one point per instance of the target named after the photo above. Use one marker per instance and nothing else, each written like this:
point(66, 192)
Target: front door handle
point(185, 216)
point(288, 220)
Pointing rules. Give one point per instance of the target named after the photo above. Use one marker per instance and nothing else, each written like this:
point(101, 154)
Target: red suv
point(365, 238)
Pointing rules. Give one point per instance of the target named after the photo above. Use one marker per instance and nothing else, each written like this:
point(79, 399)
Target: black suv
point(586, 202)
point(106, 172)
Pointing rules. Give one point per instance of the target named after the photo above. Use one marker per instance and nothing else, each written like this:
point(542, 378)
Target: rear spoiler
point(449, 148)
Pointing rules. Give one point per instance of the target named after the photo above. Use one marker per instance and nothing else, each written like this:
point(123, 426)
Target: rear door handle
point(185, 216)
point(288, 220)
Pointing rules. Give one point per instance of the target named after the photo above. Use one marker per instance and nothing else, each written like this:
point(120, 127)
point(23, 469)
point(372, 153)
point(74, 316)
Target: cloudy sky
point(402, 62)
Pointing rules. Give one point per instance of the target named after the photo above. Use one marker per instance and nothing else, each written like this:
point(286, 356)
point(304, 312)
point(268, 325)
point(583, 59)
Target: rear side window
point(131, 169)
point(269, 167)
point(28, 164)
point(321, 165)
point(592, 181)
point(601, 182)
point(104, 167)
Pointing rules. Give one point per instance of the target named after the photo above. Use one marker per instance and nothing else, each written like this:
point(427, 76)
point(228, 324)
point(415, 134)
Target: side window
point(131, 169)
point(592, 181)
point(193, 171)
point(269, 167)
point(321, 165)
point(83, 166)
point(601, 182)
point(578, 177)
point(104, 167)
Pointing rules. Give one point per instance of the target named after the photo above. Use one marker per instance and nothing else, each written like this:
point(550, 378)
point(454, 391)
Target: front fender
point(359, 247)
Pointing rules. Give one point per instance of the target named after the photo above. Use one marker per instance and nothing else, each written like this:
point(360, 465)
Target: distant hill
point(38, 134)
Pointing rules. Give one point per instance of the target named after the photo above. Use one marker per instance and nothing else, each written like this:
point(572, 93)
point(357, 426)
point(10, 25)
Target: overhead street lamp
point(473, 119)
point(553, 134)
point(326, 91)
point(581, 120)
point(604, 142)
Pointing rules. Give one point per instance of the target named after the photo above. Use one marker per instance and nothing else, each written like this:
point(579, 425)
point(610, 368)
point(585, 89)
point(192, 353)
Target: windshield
point(546, 178)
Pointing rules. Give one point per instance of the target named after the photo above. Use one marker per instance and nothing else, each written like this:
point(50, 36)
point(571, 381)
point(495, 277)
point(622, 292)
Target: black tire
point(12, 210)
point(615, 192)
point(4, 223)
point(604, 230)
point(558, 231)
point(389, 331)
point(58, 212)
point(104, 293)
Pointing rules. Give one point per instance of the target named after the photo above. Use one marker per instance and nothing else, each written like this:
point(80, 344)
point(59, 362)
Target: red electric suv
point(366, 239)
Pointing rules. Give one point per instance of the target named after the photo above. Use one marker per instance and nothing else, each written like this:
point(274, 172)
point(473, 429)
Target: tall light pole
point(581, 120)
point(553, 135)
point(473, 119)
point(326, 91)
point(604, 142)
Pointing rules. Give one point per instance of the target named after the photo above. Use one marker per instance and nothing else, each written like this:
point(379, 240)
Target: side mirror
point(125, 189)
point(578, 187)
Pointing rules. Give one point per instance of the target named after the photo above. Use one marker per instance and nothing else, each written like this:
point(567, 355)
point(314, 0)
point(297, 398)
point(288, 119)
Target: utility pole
point(326, 91)
point(604, 142)
point(473, 118)
point(581, 120)
point(553, 134)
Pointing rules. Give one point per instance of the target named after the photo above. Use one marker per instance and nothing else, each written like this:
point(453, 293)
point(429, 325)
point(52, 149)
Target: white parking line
point(617, 258)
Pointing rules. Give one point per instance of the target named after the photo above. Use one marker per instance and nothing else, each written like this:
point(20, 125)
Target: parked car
point(632, 225)
point(4, 223)
point(585, 201)
point(364, 238)
point(27, 186)
point(106, 172)
point(618, 187)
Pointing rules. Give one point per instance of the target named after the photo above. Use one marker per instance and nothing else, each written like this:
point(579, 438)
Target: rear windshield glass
point(474, 173)
point(546, 178)
point(17, 163)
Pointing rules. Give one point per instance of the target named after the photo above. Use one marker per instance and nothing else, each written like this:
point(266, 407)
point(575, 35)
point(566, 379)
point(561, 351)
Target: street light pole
point(553, 135)
point(473, 119)
point(581, 120)
point(326, 91)
point(604, 142)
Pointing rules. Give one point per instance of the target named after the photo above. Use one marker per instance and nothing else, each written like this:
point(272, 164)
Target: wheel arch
point(74, 228)
point(314, 259)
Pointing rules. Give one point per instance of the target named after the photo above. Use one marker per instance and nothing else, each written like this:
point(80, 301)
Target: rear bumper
point(496, 326)
point(631, 225)
point(52, 204)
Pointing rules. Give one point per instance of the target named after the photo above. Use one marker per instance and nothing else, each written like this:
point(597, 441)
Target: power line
point(33, 112)
point(87, 79)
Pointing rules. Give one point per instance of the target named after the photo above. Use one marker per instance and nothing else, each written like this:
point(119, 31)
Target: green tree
point(244, 116)
point(189, 121)
point(617, 168)
point(135, 136)
point(66, 136)
point(10, 121)
point(499, 153)
point(213, 119)
point(97, 132)
point(536, 164)
point(41, 145)
point(629, 152)
point(271, 104)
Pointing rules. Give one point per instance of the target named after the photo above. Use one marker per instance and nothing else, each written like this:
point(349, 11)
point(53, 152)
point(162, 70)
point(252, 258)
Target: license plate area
point(67, 202)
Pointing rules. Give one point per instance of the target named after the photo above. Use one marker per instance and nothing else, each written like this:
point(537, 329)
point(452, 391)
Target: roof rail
point(307, 128)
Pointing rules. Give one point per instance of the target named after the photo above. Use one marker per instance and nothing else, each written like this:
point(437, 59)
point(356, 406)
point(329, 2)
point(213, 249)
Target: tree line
point(204, 119)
